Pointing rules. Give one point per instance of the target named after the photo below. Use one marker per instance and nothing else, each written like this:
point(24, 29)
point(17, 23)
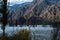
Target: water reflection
point(56, 32)
point(38, 32)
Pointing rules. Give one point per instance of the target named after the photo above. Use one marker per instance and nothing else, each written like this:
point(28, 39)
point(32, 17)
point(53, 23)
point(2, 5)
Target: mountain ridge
point(15, 6)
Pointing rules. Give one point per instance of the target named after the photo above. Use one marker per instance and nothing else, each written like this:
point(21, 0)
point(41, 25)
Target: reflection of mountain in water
point(39, 31)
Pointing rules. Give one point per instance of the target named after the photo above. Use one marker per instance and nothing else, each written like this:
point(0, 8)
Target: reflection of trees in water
point(55, 35)
point(55, 30)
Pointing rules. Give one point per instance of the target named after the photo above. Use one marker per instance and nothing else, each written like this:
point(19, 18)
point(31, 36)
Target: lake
point(43, 32)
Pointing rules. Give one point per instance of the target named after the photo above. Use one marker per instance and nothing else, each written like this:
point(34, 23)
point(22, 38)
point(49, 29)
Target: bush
point(21, 35)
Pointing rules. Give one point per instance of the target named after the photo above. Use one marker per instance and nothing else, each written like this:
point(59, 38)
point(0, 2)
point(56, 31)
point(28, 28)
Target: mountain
point(51, 13)
point(15, 6)
point(21, 10)
point(38, 12)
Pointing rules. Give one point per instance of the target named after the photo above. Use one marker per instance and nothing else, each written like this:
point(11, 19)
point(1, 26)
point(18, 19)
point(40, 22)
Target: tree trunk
point(3, 32)
point(4, 19)
point(3, 28)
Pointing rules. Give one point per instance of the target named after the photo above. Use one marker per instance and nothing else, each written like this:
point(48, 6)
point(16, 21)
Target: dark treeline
point(32, 21)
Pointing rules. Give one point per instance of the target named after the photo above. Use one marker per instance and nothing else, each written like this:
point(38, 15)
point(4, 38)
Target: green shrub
point(20, 35)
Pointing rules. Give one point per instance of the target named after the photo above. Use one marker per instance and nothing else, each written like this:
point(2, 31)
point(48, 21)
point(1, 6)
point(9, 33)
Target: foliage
point(21, 35)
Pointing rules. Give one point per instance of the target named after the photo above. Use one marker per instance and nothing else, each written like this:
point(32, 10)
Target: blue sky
point(12, 2)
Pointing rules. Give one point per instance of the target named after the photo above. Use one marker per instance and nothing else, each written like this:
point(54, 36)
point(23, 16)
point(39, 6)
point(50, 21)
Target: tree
point(4, 19)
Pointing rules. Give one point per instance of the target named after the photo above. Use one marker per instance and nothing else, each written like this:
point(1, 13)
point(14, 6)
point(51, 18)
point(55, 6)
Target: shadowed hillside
point(51, 13)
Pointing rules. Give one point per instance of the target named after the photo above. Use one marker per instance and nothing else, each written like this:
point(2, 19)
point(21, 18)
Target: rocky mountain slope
point(42, 10)
point(51, 13)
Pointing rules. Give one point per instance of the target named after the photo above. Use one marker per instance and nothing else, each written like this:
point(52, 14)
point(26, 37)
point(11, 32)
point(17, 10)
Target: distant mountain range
point(37, 12)
point(15, 6)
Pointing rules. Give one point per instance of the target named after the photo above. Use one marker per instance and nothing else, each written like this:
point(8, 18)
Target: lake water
point(43, 32)
point(38, 27)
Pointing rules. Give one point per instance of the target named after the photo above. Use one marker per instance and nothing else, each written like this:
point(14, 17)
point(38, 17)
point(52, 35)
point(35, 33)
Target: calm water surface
point(43, 32)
